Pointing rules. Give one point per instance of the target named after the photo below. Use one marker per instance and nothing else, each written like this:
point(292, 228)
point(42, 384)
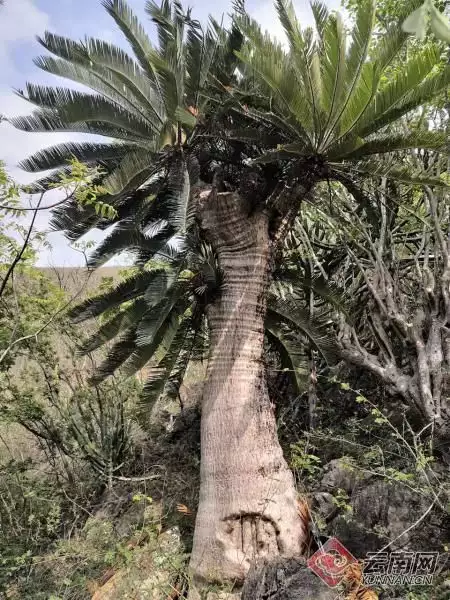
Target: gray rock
point(284, 579)
point(324, 505)
point(338, 474)
point(383, 511)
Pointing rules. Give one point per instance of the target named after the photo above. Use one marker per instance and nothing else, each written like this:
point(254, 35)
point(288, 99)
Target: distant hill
point(80, 280)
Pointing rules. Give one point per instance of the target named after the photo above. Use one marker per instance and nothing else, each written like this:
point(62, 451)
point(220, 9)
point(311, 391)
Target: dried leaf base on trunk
point(247, 507)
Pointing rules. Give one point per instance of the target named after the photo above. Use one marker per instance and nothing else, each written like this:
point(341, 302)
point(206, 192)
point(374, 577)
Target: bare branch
point(37, 208)
point(19, 255)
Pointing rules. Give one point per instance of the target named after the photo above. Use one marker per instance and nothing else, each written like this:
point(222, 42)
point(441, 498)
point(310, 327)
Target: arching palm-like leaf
point(58, 156)
point(334, 95)
point(135, 101)
point(299, 320)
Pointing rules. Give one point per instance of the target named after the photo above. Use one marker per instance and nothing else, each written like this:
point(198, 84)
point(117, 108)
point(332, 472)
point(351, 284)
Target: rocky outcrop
point(284, 579)
point(379, 511)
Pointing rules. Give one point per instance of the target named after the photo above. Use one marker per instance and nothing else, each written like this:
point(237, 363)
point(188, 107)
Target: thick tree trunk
point(248, 503)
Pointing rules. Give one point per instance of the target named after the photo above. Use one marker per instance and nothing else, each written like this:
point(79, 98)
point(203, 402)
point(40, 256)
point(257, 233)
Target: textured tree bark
point(248, 501)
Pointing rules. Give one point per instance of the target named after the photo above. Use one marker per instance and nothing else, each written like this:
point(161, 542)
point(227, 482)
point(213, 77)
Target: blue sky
point(22, 20)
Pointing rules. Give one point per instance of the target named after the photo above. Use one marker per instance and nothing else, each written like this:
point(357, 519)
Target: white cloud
point(267, 16)
point(17, 145)
point(20, 21)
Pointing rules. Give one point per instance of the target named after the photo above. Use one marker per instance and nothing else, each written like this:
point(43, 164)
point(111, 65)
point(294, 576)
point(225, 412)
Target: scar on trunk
point(254, 534)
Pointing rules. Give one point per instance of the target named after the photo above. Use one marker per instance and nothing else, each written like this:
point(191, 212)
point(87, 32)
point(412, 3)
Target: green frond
point(203, 262)
point(135, 34)
point(291, 353)
point(269, 120)
point(172, 88)
point(331, 294)
point(129, 289)
point(282, 82)
point(225, 61)
point(304, 74)
point(175, 379)
point(159, 288)
point(76, 220)
point(357, 91)
point(178, 195)
point(167, 375)
point(419, 95)
point(432, 140)
point(161, 15)
point(171, 21)
point(164, 335)
point(41, 121)
point(334, 69)
point(99, 79)
point(357, 104)
point(312, 80)
point(201, 50)
point(127, 236)
point(111, 329)
point(298, 319)
point(64, 47)
point(321, 14)
point(115, 357)
point(47, 182)
point(156, 380)
point(136, 81)
point(137, 164)
point(374, 168)
point(344, 147)
point(291, 26)
point(329, 97)
point(162, 246)
point(58, 156)
point(73, 106)
point(101, 66)
point(396, 91)
point(170, 213)
point(156, 213)
point(45, 120)
point(157, 313)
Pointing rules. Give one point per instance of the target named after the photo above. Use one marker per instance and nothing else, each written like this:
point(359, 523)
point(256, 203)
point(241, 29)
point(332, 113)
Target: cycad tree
point(207, 172)
point(320, 111)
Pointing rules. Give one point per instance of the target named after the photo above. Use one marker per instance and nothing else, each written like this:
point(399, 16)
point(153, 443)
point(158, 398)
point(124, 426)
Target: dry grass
point(17, 444)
